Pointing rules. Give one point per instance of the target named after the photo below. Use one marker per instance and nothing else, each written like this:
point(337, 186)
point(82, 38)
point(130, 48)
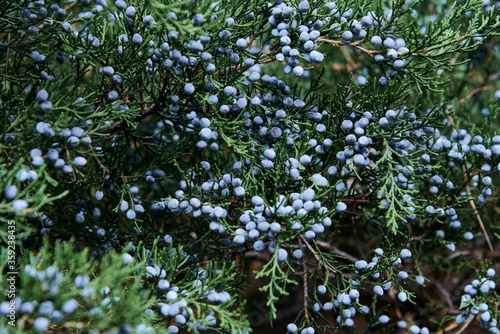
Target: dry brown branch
point(357, 45)
point(471, 201)
point(316, 254)
point(304, 276)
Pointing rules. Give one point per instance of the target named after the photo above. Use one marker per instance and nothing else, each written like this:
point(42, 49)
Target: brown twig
point(304, 275)
point(7, 59)
point(99, 161)
point(464, 183)
point(142, 114)
point(233, 201)
point(335, 250)
point(471, 94)
point(343, 67)
point(471, 201)
point(316, 254)
point(165, 83)
point(478, 217)
point(356, 45)
point(461, 327)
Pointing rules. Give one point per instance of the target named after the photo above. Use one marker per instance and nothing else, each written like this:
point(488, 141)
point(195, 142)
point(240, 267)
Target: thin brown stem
point(316, 254)
point(471, 201)
point(335, 250)
point(142, 114)
point(7, 59)
point(478, 217)
point(304, 276)
point(105, 170)
point(357, 45)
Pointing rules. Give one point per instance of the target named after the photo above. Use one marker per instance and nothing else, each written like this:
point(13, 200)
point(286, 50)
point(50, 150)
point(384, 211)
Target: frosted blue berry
point(123, 206)
point(130, 11)
point(383, 82)
point(414, 329)
point(297, 254)
point(19, 204)
point(42, 95)
point(402, 324)
point(383, 319)
point(113, 95)
point(361, 265)
point(402, 296)
point(376, 41)
point(486, 316)
point(36, 56)
point(399, 64)
point(347, 36)
point(483, 307)
point(486, 181)
point(275, 227)
point(10, 192)
point(100, 233)
point(354, 294)
point(341, 207)
point(181, 319)
point(305, 160)
point(81, 281)
point(307, 195)
point(316, 57)
point(189, 88)
point(241, 43)
point(99, 195)
point(282, 255)
point(163, 284)
point(130, 214)
point(136, 39)
point(52, 154)
point(292, 328)
point(405, 253)
point(80, 161)
point(378, 290)
point(70, 306)
point(66, 26)
point(347, 125)
point(257, 200)
point(46, 307)
point(32, 30)
point(173, 204)
point(298, 70)
point(173, 329)
point(120, 4)
point(321, 289)
point(485, 288)
point(46, 106)
point(127, 258)
point(239, 240)
point(389, 43)
point(362, 80)
point(259, 245)
point(41, 324)
point(367, 21)
point(171, 295)
point(402, 275)
point(198, 20)
point(392, 55)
